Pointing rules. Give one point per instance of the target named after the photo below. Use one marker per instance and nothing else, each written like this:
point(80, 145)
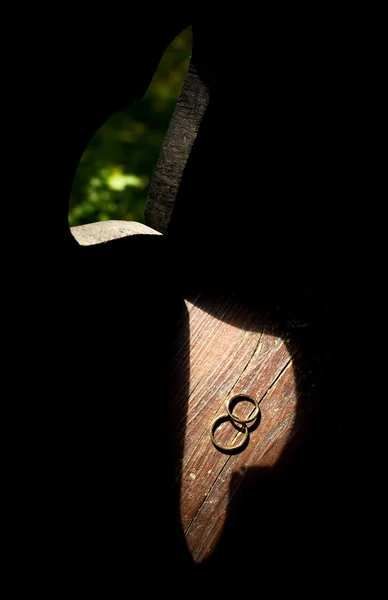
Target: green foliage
point(115, 171)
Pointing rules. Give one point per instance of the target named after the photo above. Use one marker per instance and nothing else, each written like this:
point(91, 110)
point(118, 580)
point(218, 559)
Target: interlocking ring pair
point(230, 404)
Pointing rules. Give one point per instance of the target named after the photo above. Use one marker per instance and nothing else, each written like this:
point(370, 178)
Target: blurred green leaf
point(119, 181)
point(114, 174)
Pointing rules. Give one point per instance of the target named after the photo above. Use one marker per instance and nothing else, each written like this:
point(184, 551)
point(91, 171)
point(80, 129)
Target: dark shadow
point(122, 438)
point(285, 518)
point(271, 227)
point(116, 507)
point(121, 467)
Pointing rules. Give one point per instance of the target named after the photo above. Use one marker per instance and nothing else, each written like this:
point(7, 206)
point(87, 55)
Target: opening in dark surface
point(298, 508)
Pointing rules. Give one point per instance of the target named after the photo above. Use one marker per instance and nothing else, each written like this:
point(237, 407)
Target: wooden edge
point(176, 148)
point(105, 231)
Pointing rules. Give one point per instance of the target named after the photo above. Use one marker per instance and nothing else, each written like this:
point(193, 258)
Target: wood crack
point(228, 458)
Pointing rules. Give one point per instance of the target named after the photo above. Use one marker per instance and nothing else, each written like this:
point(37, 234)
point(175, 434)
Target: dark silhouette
point(278, 231)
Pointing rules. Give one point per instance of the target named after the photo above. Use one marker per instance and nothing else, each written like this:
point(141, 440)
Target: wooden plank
point(232, 349)
point(106, 231)
point(265, 447)
point(176, 149)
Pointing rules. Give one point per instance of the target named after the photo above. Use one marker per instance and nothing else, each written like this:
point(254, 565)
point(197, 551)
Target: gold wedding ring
point(238, 422)
point(235, 400)
point(214, 425)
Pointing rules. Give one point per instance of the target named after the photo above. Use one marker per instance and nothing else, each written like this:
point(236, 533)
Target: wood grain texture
point(232, 349)
point(175, 151)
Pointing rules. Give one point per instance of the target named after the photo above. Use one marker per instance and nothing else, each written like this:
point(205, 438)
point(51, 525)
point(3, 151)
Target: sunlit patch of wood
point(231, 350)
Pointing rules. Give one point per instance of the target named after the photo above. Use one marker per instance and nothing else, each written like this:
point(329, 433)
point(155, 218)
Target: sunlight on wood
point(231, 351)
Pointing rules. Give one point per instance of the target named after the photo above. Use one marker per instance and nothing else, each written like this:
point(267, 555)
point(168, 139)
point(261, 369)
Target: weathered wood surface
point(231, 349)
point(106, 231)
point(175, 151)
